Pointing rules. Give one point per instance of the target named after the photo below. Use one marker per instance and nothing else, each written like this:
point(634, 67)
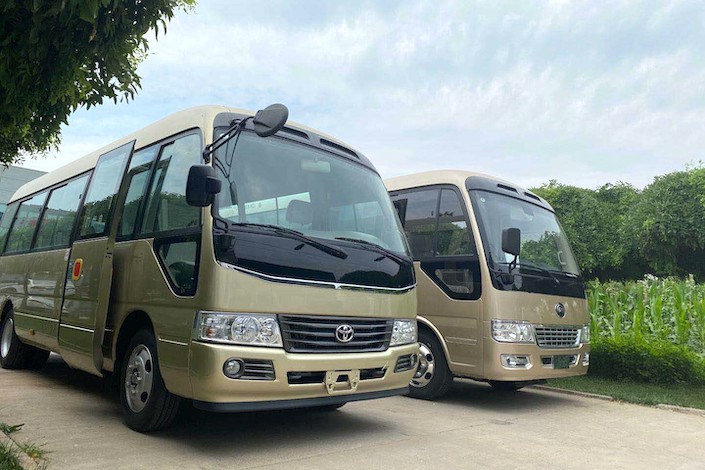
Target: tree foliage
point(618, 232)
point(59, 55)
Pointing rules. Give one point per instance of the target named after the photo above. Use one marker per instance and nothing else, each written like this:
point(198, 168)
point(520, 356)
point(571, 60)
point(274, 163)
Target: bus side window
point(20, 237)
point(420, 220)
point(454, 237)
point(7, 218)
point(97, 207)
point(137, 178)
point(166, 207)
point(57, 223)
point(179, 258)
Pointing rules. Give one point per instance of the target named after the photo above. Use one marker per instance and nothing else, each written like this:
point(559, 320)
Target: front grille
point(300, 378)
point(316, 334)
point(257, 369)
point(555, 337)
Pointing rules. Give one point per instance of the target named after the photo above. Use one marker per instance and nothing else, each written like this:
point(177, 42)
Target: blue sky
point(582, 92)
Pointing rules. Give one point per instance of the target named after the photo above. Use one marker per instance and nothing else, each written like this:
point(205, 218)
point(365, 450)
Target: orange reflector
point(77, 269)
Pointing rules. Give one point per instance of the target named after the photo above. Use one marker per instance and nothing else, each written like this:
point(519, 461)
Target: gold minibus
point(241, 262)
point(500, 296)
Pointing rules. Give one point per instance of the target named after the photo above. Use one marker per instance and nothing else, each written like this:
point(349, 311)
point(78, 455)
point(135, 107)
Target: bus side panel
point(459, 321)
point(81, 301)
point(46, 275)
point(140, 285)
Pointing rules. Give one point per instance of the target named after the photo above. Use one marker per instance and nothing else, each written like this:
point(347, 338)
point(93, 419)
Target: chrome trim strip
point(36, 317)
point(178, 343)
point(79, 328)
point(330, 285)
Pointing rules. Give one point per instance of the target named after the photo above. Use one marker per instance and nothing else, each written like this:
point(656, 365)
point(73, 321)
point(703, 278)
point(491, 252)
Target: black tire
point(14, 354)
point(436, 379)
point(505, 386)
point(38, 359)
point(159, 406)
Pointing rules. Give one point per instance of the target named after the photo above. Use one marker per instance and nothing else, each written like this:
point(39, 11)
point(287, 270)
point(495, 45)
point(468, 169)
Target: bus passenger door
point(90, 267)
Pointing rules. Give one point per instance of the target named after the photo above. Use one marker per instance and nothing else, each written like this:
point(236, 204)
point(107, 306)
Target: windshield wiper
point(535, 267)
point(296, 235)
point(376, 248)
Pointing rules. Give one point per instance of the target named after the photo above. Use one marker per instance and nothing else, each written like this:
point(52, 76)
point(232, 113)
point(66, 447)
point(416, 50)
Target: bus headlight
point(239, 328)
point(404, 332)
point(585, 334)
point(511, 331)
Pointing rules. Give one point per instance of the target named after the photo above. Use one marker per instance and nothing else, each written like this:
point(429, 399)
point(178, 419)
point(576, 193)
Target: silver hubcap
point(6, 339)
point(427, 364)
point(138, 378)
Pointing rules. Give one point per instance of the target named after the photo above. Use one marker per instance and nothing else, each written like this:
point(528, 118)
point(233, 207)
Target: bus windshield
point(273, 181)
point(543, 242)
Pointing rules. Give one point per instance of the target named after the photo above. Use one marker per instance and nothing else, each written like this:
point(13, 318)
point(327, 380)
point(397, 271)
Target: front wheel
point(146, 403)
point(433, 377)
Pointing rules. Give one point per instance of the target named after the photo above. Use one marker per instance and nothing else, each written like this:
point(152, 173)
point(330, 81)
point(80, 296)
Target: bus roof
point(465, 179)
point(196, 117)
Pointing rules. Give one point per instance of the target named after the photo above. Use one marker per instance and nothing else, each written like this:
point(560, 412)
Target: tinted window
point(20, 238)
point(7, 218)
point(453, 234)
point(106, 180)
point(179, 259)
point(57, 223)
point(419, 220)
point(137, 178)
point(166, 205)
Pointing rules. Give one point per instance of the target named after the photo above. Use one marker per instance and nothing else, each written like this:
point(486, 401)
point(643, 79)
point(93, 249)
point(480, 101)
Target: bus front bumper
point(276, 379)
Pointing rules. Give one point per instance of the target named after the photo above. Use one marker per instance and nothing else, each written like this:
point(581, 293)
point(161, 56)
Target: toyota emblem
point(560, 310)
point(344, 333)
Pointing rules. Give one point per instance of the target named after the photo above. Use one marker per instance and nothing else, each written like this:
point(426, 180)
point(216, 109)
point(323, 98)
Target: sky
point(583, 92)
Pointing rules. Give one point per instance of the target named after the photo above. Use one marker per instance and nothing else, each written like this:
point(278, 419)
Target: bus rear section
point(280, 278)
point(500, 295)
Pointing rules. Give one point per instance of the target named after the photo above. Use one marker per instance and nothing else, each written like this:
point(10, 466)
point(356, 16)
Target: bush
point(653, 361)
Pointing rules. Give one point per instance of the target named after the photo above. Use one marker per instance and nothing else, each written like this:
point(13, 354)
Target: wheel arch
point(133, 322)
point(425, 323)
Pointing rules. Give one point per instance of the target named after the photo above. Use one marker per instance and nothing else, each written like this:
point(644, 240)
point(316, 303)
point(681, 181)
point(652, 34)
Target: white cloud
point(577, 91)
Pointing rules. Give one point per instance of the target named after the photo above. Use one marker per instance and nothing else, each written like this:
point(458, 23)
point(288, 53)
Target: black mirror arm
point(234, 129)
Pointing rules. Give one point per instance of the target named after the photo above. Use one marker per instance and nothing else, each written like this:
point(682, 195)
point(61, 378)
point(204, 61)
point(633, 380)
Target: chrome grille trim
point(316, 334)
point(557, 337)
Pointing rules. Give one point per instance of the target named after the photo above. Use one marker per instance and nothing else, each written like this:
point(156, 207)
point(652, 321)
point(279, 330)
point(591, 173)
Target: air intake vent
point(339, 148)
point(508, 188)
point(294, 132)
point(532, 196)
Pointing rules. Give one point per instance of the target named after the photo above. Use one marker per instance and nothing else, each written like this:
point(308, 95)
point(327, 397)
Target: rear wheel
point(433, 377)
point(13, 353)
point(146, 403)
point(506, 386)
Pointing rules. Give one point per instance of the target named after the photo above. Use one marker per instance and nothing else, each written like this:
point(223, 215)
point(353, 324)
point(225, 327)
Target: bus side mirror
point(511, 241)
point(202, 186)
point(270, 120)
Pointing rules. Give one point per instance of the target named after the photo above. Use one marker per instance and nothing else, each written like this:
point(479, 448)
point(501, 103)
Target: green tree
point(594, 223)
point(668, 224)
point(56, 56)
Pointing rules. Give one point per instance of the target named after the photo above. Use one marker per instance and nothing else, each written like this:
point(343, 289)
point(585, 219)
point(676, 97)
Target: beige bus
point(215, 256)
point(500, 295)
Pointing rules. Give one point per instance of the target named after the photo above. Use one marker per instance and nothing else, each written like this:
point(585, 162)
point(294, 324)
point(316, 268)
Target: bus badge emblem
point(344, 333)
point(560, 310)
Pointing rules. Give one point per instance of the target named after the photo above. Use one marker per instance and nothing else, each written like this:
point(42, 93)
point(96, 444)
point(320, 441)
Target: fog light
point(233, 368)
point(513, 361)
point(586, 359)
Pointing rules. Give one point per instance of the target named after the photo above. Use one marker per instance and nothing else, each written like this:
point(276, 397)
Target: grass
point(10, 455)
point(633, 392)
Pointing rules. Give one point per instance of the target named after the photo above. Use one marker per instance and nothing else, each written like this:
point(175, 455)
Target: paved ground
point(78, 420)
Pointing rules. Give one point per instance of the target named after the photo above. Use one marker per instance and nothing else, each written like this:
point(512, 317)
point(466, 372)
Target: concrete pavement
point(78, 420)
